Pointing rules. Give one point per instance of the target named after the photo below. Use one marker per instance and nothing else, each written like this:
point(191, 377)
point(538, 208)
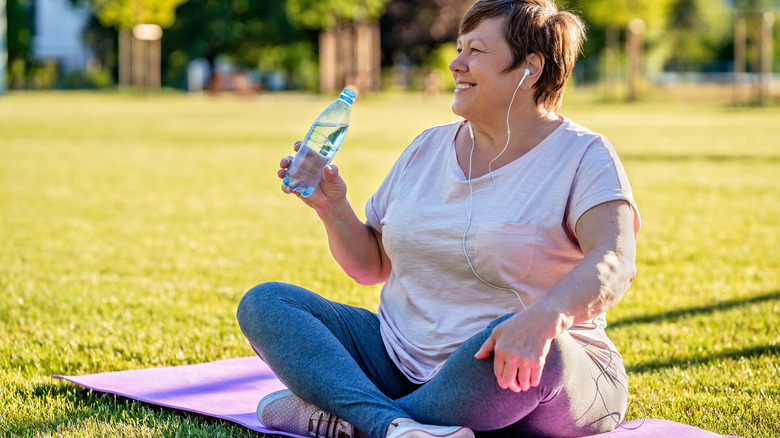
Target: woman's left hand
point(519, 347)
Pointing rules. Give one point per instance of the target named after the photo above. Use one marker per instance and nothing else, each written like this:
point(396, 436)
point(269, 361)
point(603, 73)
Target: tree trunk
point(740, 58)
point(328, 61)
point(636, 28)
point(125, 58)
point(765, 75)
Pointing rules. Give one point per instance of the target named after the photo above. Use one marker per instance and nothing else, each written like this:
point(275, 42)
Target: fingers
point(486, 349)
point(289, 191)
point(331, 172)
point(516, 378)
point(521, 382)
point(535, 377)
point(285, 163)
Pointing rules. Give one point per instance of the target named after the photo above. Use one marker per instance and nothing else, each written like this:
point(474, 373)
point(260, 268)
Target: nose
point(457, 64)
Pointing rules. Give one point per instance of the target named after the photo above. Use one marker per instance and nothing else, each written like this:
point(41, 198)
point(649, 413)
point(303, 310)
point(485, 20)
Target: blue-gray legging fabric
point(332, 355)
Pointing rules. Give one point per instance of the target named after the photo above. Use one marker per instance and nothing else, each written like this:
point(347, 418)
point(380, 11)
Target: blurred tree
point(19, 38)
point(697, 31)
point(757, 5)
point(349, 40)
point(124, 14)
point(413, 29)
point(250, 33)
point(324, 14)
point(608, 21)
point(619, 12)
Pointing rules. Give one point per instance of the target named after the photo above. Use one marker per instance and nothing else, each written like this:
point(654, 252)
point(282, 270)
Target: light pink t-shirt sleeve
point(600, 178)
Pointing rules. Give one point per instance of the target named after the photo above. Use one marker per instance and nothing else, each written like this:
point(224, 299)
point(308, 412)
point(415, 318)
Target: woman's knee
point(257, 302)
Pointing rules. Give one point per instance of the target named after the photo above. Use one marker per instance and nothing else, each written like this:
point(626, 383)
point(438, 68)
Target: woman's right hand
point(331, 189)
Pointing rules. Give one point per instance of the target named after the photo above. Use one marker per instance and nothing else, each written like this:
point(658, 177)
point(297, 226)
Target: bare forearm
point(354, 245)
point(595, 285)
point(598, 282)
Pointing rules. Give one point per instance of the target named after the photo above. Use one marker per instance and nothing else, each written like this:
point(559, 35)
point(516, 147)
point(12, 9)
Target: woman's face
point(483, 88)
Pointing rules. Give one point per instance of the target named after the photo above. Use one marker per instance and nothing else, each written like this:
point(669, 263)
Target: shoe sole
point(265, 401)
point(432, 431)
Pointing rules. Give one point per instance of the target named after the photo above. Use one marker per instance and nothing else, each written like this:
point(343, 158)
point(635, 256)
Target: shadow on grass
point(688, 361)
point(680, 158)
point(697, 310)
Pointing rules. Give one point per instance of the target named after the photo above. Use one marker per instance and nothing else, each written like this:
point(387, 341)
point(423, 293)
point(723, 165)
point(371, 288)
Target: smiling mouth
point(464, 86)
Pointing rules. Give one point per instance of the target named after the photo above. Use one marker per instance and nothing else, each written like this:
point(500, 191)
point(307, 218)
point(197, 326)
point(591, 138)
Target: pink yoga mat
point(230, 389)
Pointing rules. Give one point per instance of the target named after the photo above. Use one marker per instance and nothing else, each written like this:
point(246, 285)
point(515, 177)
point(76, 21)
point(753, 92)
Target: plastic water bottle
point(320, 145)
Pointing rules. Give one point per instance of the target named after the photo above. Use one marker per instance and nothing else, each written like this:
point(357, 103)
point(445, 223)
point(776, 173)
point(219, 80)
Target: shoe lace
point(331, 426)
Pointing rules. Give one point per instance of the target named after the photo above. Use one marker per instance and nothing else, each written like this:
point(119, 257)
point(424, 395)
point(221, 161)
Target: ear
point(535, 64)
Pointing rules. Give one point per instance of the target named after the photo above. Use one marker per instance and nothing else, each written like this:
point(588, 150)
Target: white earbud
point(527, 72)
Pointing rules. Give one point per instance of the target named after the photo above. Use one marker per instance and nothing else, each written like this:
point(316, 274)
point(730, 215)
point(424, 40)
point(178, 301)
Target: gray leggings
point(332, 355)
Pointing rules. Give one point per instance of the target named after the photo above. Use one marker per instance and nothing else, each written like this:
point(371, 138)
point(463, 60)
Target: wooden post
point(155, 80)
point(611, 61)
point(740, 58)
point(328, 61)
point(125, 58)
point(347, 55)
point(636, 28)
point(139, 64)
point(363, 56)
point(146, 56)
point(350, 55)
point(376, 63)
point(765, 75)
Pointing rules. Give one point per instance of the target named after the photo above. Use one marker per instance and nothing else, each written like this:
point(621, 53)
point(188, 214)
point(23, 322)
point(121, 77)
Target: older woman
point(501, 239)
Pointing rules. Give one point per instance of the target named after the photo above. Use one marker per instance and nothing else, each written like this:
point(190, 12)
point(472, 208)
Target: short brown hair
point(535, 26)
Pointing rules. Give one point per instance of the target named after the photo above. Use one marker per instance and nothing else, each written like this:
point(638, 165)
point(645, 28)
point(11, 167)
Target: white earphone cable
point(469, 199)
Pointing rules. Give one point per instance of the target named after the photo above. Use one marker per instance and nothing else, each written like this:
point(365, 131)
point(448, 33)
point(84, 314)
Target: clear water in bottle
point(320, 145)
point(306, 170)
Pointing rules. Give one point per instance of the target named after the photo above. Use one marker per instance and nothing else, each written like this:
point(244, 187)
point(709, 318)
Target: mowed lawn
point(130, 227)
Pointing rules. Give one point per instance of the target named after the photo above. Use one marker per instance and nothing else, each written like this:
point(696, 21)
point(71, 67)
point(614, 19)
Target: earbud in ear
point(525, 75)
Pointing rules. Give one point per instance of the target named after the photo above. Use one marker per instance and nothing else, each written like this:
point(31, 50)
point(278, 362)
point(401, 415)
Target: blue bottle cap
point(348, 95)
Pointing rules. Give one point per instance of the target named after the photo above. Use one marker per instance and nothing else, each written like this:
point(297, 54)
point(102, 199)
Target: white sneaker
point(413, 429)
point(286, 412)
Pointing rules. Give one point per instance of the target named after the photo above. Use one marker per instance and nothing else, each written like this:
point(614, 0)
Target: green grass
point(130, 226)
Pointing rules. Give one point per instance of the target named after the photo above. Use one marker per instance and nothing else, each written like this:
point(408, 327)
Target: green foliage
point(19, 32)
point(125, 14)
point(620, 12)
point(757, 5)
point(439, 61)
point(87, 80)
point(322, 14)
point(416, 27)
point(20, 28)
point(697, 29)
point(132, 226)
point(297, 61)
point(250, 34)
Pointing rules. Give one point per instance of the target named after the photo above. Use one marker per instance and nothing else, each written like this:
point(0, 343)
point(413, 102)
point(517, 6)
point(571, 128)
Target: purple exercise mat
point(230, 389)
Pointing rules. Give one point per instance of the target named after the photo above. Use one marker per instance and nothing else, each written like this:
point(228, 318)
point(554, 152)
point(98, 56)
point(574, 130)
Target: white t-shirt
point(521, 236)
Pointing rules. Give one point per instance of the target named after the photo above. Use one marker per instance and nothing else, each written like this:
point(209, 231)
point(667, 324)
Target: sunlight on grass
point(132, 225)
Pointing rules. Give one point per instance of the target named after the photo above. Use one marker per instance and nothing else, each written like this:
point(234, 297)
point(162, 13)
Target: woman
point(502, 240)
